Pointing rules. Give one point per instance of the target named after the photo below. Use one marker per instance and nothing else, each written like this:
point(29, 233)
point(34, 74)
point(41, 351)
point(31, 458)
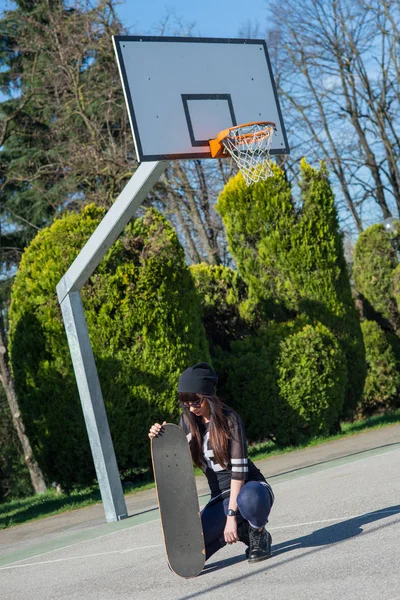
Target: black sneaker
point(260, 545)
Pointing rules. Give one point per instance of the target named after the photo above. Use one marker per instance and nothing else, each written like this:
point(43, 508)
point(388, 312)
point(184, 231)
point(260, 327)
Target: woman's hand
point(155, 429)
point(230, 531)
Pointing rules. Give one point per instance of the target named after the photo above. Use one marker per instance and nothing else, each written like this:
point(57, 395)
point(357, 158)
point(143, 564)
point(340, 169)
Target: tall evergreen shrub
point(292, 259)
point(326, 291)
point(144, 321)
point(259, 221)
point(375, 260)
point(382, 385)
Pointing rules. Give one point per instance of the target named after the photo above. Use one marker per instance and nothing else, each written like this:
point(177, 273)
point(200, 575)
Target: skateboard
point(178, 501)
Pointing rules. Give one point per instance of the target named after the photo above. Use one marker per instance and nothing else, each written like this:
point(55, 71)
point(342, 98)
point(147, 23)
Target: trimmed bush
point(312, 378)
point(222, 293)
point(327, 295)
point(144, 321)
point(382, 385)
point(288, 383)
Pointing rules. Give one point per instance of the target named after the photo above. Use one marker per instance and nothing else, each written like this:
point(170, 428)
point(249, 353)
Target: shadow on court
point(338, 532)
point(332, 534)
point(268, 565)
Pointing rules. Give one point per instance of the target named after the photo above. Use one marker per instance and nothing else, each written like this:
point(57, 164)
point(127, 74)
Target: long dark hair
point(219, 429)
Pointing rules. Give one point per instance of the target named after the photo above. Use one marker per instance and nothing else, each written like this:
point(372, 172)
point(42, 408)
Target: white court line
point(324, 468)
point(56, 560)
point(294, 525)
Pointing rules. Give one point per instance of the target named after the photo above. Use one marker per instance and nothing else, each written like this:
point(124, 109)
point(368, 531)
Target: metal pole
point(93, 408)
point(86, 375)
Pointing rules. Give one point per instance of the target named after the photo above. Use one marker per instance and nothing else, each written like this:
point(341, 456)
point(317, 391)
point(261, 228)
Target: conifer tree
point(63, 127)
point(292, 259)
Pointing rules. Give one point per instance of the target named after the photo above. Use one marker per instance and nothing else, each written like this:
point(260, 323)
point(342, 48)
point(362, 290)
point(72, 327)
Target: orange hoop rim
point(217, 146)
point(226, 132)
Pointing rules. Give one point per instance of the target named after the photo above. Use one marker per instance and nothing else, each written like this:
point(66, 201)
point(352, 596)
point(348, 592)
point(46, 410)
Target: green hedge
point(144, 320)
point(375, 261)
point(288, 383)
point(396, 294)
point(382, 385)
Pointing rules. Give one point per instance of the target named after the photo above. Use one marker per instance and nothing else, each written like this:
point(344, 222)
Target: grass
point(39, 506)
point(49, 504)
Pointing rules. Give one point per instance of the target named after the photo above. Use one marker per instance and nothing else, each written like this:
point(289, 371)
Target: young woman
point(241, 499)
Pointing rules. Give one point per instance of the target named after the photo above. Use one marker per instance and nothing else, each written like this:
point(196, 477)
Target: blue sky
point(212, 18)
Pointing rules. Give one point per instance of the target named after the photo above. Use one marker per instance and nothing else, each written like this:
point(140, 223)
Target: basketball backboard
point(181, 92)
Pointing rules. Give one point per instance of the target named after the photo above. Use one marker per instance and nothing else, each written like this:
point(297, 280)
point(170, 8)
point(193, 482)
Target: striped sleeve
point(238, 448)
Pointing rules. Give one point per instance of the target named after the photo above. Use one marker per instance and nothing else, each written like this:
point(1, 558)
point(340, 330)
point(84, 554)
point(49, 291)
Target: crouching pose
point(241, 499)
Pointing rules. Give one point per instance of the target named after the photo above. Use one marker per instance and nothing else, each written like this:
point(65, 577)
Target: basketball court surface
point(335, 528)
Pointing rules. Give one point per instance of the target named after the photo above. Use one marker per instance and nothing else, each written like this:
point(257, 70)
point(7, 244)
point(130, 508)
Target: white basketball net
point(249, 147)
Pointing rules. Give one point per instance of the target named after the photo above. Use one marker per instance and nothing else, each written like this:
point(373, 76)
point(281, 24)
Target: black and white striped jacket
point(240, 467)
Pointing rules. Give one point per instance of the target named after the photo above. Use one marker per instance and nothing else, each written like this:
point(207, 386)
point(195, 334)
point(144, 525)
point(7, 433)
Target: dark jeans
point(254, 504)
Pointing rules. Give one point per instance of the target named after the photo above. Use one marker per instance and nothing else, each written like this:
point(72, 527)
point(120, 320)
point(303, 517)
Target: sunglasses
point(191, 404)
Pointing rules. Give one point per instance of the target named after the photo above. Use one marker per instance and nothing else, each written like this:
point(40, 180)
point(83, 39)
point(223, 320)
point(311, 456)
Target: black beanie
point(199, 379)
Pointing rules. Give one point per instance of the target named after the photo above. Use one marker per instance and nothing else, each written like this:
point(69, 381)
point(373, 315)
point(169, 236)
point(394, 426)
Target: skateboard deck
point(178, 501)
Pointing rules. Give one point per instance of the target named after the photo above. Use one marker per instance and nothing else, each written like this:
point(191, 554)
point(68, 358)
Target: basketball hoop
point(249, 146)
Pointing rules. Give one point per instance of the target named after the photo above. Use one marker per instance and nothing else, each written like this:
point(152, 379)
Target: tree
point(65, 136)
point(36, 475)
point(61, 113)
point(14, 475)
point(376, 272)
point(187, 195)
point(65, 140)
point(338, 79)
